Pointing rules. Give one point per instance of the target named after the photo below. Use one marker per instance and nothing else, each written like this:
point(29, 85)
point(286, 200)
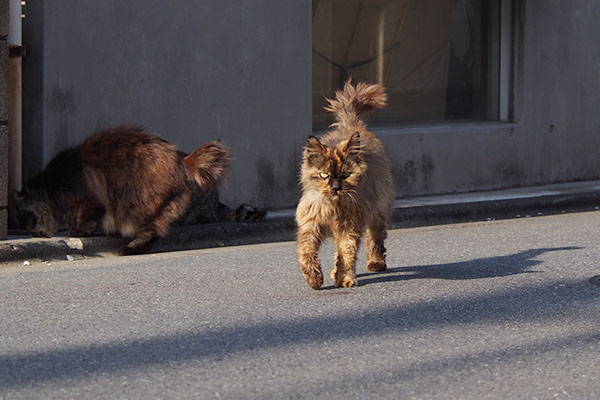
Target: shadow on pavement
point(536, 302)
point(480, 268)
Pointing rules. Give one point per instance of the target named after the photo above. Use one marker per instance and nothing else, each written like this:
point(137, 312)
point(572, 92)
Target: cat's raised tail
point(353, 101)
point(209, 164)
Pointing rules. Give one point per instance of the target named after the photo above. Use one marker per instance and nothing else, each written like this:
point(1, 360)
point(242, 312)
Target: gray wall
point(192, 71)
point(241, 71)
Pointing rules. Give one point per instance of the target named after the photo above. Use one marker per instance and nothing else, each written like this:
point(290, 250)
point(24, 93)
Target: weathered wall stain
point(404, 175)
point(293, 173)
point(265, 174)
point(61, 135)
point(60, 99)
point(507, 173)
point(427, 168)
point(277, 185)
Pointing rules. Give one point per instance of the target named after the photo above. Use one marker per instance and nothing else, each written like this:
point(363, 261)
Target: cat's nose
point(335, 186)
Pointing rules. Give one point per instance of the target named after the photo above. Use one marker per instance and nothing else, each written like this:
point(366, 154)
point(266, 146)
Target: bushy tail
point(351, 102)
point(208, 164)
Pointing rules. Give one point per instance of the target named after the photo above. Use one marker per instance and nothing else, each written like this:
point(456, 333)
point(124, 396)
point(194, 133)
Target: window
point(440, 60)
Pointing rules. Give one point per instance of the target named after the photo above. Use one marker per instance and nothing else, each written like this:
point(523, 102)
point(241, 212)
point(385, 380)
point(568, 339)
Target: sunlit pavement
point(499, 309)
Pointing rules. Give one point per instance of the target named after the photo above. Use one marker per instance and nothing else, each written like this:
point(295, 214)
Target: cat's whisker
point(352, 197)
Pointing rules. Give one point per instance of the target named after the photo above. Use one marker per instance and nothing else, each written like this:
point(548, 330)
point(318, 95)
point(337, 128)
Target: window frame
point(510, 33)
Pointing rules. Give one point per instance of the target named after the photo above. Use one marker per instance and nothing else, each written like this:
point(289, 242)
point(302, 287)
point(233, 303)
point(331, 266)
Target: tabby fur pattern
point(347, 188)
point(125, 180)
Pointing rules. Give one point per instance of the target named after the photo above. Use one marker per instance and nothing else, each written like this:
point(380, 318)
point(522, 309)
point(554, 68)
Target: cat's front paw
point(129, 251)
point(346, 281)
point(376, 266)
point(74, 232)
point(314, 279)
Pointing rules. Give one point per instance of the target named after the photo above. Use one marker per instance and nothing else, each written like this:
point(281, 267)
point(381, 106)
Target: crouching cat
point(346, 188)
point(125, 180)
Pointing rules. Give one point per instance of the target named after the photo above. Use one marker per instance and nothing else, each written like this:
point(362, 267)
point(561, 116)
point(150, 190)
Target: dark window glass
point(438, 59)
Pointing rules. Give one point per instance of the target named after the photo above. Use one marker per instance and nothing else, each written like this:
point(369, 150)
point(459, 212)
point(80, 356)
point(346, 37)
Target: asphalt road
point(501, 309)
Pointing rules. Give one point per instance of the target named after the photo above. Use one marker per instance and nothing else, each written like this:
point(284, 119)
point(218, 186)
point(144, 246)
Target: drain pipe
point(15, 51)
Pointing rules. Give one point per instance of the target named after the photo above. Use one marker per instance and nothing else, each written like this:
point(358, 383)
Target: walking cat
point(346, 187)
point(126, 180)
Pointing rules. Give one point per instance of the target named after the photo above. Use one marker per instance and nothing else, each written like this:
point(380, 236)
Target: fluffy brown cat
point(346, 187)
point(126, 180)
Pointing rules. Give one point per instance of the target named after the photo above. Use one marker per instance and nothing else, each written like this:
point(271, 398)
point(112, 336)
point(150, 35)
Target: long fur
point(126, 180)
point(351, 102)
point(347, 188)
point(208, 164)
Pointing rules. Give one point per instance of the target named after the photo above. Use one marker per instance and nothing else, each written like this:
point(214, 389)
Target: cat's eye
point(324, 175)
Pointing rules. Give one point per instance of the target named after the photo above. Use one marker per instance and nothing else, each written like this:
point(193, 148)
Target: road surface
point(499, 309)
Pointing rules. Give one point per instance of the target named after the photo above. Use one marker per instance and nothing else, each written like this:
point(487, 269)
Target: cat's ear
point(352, 146)
point(314, 148)
point(17, 198)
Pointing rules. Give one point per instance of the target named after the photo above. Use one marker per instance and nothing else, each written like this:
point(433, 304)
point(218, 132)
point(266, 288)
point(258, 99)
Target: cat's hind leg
point(141, 244)
point(310, 237)
point(89, 214)
point(376, 234)
point(150, 224)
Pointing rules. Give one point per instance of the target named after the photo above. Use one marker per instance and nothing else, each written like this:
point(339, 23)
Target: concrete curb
point(280, 225)
point(494, 209)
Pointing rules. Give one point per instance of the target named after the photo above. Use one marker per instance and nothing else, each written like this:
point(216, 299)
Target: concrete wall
point(4, 103)
point(192, 71)
point(241, 71)
point(555, 135)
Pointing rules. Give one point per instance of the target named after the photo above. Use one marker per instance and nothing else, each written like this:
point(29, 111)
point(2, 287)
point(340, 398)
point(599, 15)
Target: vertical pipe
point(381, 44)
point(506, 28)
point(15, 108)
point(14, 121)
point(14, 22)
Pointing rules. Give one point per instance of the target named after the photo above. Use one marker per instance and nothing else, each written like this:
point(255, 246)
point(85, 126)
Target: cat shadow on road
point(489, 267)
